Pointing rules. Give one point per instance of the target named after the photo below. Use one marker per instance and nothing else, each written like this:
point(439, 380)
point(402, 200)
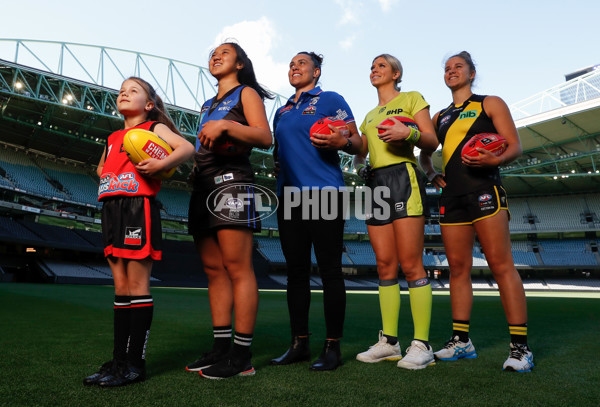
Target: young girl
point(131, 228)
point(222, 233)
point(473, 202)
point(397, 238)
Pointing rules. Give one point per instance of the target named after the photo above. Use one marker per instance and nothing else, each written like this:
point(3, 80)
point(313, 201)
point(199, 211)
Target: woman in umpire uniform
point(397, 235)
point(474, 202)
point(312, 161)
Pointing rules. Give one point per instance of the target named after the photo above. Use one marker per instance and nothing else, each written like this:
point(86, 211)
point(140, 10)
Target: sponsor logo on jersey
point(227, 177)
point(394, 112)
point(470, 114)
point(224, 108)
point(219, 179)
point(125, 182)
point(133, 235)
point(309, 110)
point(399, 206)
point(381, 110)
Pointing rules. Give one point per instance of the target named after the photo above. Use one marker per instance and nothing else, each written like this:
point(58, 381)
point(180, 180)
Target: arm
point(498, 111)
point(182, 151)
point(398, 132)
point(426, 162)
point(101, 163)
point(257, 133)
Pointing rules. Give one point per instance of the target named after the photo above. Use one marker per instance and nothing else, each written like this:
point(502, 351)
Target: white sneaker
point(382, 350)
point(418, 356)
point(520, 359)
point(454, 349)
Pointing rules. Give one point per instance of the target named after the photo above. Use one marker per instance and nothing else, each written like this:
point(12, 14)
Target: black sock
point(122, 308)
point(241, 346)
point(392, 340)
point(518, 333)
point(142, 308)
point(460, 329)
point(222, 338)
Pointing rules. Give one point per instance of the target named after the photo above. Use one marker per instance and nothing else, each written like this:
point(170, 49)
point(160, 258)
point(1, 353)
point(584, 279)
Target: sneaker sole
point(416, 367)
point(471, 355)
point(250, 372)
point(392, 358)
point(510, 369)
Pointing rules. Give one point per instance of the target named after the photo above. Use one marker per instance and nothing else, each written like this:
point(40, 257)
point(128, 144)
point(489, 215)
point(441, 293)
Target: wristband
point(414, 136)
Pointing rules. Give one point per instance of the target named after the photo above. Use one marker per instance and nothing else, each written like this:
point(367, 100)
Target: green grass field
point(51, 336)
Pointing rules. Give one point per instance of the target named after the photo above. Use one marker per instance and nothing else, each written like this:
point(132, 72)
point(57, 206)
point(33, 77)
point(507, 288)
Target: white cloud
point(386, 5)
point(350, 10)
point(347, 43)
point(257, 38)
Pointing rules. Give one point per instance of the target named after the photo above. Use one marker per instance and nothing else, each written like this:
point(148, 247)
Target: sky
point(520, 48)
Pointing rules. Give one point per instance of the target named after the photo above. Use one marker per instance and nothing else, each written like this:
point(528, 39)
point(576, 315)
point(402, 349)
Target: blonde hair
point(396, 67)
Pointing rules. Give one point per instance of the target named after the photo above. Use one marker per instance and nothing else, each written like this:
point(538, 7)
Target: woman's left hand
point(397, 132)
point(485, 159)
point(333, 141)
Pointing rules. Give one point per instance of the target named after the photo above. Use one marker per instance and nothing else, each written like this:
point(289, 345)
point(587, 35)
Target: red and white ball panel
point(492, 142)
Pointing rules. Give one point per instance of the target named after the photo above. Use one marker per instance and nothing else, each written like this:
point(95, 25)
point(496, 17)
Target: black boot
point(299, 351)
point(330, 358)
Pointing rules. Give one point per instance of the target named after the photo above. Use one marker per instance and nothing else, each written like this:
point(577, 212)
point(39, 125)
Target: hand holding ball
point(321, 126)
point(494, 143)
point(140, 145)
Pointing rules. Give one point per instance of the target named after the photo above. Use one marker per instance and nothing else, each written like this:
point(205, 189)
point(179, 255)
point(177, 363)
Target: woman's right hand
point(438, 181)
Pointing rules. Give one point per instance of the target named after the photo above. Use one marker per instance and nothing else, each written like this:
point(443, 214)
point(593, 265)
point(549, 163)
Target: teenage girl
point(473, 202)
point(397, 232)
point(223, 233)
point(131, 228)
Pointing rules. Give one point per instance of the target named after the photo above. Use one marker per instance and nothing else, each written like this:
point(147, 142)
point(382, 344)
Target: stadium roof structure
point(59, 99)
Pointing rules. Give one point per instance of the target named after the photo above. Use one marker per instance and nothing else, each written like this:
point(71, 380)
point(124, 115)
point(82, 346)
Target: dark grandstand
point(52, 132)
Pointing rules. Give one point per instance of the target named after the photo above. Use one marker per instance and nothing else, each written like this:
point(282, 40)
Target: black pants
point(297, 236)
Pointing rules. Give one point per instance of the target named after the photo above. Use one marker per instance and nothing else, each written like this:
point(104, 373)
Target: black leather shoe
point(330, 358)
point(299, 351)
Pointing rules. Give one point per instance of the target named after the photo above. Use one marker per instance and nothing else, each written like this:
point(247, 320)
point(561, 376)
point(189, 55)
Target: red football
point(494, 143)
point(321, 126)
point(226, 145)
point(405, 120)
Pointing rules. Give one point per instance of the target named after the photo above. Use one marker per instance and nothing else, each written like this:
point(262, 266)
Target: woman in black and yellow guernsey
point(396, 224)
point(474, 202)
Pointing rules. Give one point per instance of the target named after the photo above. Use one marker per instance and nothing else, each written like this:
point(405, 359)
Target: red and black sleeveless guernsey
point(119, 176)
point(455, 126)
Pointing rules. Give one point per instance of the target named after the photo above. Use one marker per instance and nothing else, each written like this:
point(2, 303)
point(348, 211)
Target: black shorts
point(404, 194)
point(228, 206)
point(131, 227)
point(470, 208)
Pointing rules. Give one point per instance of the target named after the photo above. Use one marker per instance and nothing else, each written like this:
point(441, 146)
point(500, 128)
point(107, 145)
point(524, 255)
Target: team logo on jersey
point(485, 198)
point(399, 206)
point(133, 235)
point(470, 114)
point(314, 101)
point(309, 110)
point(444, 120)
point(381, 110)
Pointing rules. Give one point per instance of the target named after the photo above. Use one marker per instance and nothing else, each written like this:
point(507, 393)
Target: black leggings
point(297, 236)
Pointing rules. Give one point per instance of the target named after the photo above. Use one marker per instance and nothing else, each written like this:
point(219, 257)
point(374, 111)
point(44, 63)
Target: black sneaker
point(125, 374)
point(107, 369)
point(228, 367)
point(206, 360)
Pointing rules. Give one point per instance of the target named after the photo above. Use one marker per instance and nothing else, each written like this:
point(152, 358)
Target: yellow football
point(140, 144)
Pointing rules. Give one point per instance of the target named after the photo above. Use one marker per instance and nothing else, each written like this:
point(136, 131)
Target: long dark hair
point(159, 112)
point(246, 75)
